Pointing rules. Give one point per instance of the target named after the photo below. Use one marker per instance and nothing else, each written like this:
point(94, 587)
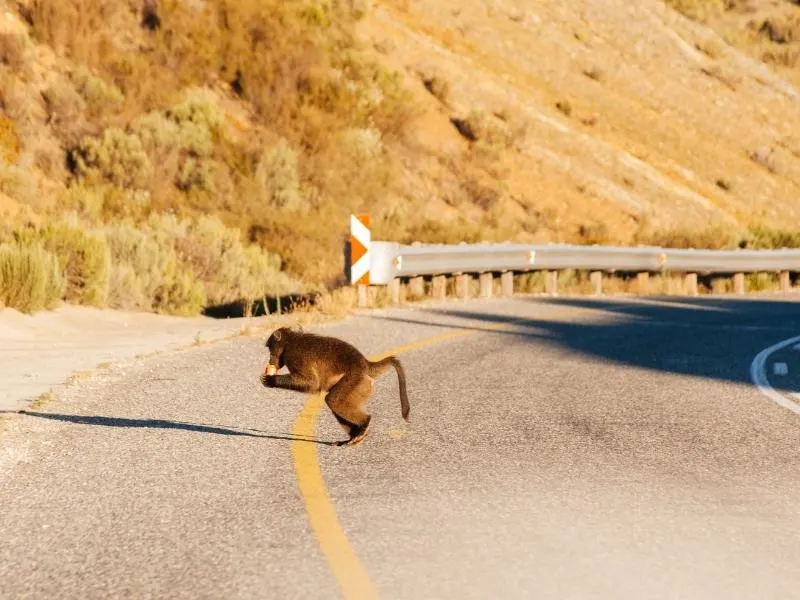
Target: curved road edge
point(758, 374)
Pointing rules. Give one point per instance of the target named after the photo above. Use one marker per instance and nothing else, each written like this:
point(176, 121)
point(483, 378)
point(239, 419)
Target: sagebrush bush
point(217, 256)
point(147, 274)
point(30, 278)
point(83, 258)
point(276, 176)
point(99, 95)
point(117, 157)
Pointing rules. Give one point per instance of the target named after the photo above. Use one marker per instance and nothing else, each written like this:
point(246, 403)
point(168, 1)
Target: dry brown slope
point(665, 116)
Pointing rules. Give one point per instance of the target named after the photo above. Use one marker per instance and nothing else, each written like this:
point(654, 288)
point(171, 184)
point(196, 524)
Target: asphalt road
point(588, 449)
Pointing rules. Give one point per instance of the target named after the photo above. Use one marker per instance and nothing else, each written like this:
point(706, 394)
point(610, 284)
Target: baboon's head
point(276, 343)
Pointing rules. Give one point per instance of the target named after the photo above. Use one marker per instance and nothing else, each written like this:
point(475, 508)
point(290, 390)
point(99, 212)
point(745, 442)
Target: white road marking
point(758, 375)
point(780, 369)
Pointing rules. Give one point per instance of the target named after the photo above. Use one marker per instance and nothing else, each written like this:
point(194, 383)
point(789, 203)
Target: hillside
point(122, 123)
point(634, 116)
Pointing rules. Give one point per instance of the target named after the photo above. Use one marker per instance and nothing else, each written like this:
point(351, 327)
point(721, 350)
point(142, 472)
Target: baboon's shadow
point(167, 424)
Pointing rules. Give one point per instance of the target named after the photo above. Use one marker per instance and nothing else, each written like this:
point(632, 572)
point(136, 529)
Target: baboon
point(319, 363)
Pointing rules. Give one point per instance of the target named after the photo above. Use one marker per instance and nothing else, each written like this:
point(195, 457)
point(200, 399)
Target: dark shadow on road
point(269, 305)
point(165, 424)
point(714, 338)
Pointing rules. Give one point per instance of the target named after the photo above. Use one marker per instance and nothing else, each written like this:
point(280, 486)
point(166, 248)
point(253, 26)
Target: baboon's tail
point(377, 368)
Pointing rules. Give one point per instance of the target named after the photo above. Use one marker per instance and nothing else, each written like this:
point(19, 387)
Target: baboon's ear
point(278, 335)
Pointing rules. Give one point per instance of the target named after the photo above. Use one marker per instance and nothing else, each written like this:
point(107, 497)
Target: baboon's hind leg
point(345, 400)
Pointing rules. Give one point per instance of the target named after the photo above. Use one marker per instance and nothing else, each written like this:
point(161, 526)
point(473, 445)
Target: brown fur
point(319, 363)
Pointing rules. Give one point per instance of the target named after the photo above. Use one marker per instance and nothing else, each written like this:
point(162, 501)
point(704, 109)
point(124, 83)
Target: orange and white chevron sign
point(360, 238)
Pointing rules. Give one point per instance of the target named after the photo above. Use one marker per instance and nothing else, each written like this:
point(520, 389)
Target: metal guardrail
point(391, 260)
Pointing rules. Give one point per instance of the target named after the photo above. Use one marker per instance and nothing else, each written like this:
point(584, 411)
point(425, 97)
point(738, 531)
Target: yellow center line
point(342, 559)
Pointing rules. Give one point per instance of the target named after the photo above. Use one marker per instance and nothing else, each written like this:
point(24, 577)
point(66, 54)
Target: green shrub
point(200, 109)
point(276, 176)
point(117, 157)
point(180, 141)
point(98, 94)
point(217, 257)
point(30, 278)
point(146, 274)
point(83, 258)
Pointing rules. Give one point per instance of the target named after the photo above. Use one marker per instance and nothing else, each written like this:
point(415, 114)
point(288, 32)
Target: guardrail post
point(507, 284)
point(363, 298)
point(738, 283)
point(395, 289)
point(439, 287)
point(462, 286)
point(551, 282)
point(690, 281)
point(596, 277)
point(786, 284)
point(486, 285)
point(416, 286)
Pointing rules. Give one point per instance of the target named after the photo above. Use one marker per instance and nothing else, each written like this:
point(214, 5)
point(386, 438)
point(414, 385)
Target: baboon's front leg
point(290, 381)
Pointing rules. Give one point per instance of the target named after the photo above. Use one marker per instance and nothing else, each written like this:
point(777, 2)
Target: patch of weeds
point(762, 237)
point(78, 376)
point(530, 282)
point(41, 400)
point(760, 282)
point(710, 237)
